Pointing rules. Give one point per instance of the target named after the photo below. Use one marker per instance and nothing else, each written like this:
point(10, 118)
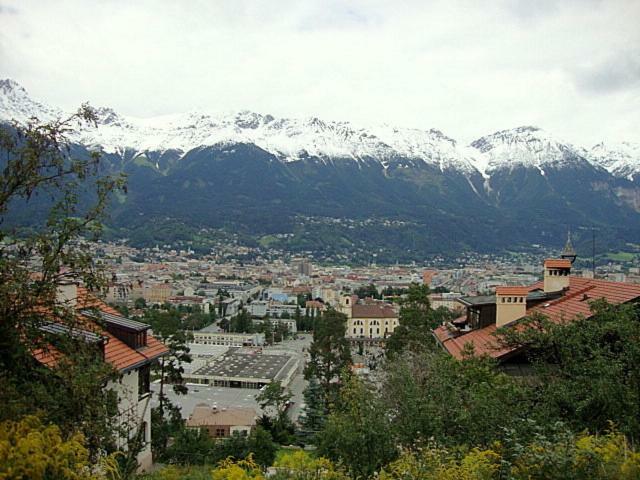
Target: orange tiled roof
point(116, 352)
point(557, 263)
point(512, 290)
point(575, 302)
point(48, 356)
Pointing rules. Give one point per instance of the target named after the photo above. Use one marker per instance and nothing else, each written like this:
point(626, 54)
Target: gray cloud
point(8, 10)
point(462, 66)
point(616, 73)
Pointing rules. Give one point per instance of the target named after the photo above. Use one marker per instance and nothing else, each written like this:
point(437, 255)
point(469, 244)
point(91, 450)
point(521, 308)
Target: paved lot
point(241, 397)
point(218, 396)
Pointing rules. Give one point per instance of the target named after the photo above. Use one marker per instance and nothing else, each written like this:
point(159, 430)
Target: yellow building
point(158, 293)
point(368, 320)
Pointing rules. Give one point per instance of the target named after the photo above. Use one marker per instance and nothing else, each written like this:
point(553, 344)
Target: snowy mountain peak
point(16, 104)
point(525, 146)
point(293, 139)
point(621, 159)
point(9, 86)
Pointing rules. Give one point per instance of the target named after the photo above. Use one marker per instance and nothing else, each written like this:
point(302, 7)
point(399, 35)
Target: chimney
point(511, 304)
point(67, 294)
point(556, 274)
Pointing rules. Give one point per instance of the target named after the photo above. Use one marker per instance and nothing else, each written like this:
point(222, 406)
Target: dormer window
point(133, 333)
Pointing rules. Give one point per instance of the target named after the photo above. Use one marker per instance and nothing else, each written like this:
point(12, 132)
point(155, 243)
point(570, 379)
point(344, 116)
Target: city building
point(560, 297)
point(372, 320)
point(222, 422)
point(128, 346)
point(302, 267)
point(245, 368)
point(228, 339)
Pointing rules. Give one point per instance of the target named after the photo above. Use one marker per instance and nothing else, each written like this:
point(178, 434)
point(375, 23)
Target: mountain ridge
point(292, 139)
point(338, 190)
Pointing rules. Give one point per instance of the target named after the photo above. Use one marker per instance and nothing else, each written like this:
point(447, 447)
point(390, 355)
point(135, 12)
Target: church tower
point(569, 253)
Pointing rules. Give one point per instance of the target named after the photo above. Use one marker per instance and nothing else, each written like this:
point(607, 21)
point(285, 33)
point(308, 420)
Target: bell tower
point(569, 253)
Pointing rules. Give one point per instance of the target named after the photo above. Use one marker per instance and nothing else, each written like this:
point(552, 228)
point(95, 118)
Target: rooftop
point(557, 263)
point(512, 291)
point(205, 415)
point(574, 302)
point(235, 364)
point(373, 311)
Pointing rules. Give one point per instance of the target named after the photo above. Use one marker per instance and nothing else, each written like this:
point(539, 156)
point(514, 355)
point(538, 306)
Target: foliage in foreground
point(568, 457)
point(29, 449)
point(69, 196)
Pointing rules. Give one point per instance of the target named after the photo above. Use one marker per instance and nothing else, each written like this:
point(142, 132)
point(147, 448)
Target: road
point(298, 383)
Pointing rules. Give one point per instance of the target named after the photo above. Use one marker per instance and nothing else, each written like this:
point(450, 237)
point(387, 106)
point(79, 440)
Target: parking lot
point(224, 397)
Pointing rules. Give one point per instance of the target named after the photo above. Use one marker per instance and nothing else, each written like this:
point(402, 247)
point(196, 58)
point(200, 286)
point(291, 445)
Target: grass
point(621, 256)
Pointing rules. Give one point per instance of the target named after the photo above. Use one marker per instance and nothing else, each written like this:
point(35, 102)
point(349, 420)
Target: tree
point(170, 368)
point(369, 291)
point(274, 400)
point(274, 397)
point(38, 166)
point(280, 332)
point(329, 352)
point(241, 323)
point(140, 303)
point(298, 318)
point(314, 414)
point(357, 432)
point(165, 423)
point(587, 372)
point(417, 320)
point(423, 393)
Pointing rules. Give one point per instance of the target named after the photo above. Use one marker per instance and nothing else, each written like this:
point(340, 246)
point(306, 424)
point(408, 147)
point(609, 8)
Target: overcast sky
point(467, 68)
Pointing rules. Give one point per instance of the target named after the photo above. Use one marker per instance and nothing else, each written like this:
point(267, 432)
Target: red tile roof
point(48, 356)
point(512, 290)
point(116, 352)
point(575, 302)
point(557, 263)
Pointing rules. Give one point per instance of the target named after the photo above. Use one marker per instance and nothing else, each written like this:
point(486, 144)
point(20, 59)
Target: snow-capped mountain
point(621, 160)
point(16, 104)
point(291, 139)
point(401, 190)
point(288, 139)
point(528, 147)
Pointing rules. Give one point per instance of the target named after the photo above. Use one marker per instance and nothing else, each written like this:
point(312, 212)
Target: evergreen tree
point(241, 323)
point(314, 414)
point(298, 318)
point(329, 352)
point(417, 320)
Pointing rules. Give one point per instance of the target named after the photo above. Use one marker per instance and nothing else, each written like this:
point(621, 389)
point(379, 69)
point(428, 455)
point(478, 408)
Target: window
point(219, 432)
point(354, 331)
point(144, 381)
point(143, 433)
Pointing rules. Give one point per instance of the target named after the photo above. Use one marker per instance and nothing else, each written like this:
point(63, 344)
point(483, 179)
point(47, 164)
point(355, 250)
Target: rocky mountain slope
point(262, 175)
